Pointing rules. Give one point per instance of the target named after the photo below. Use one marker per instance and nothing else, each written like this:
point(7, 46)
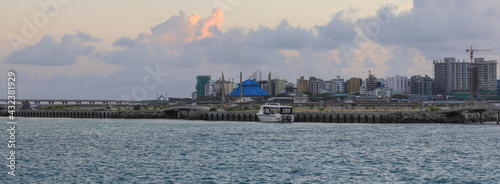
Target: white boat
point(274, 112)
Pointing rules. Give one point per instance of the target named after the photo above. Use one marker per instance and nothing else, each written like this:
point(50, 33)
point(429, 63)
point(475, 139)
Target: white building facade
point(398, 84)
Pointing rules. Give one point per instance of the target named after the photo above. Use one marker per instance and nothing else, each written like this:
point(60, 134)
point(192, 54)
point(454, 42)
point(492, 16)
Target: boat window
point(286, 111)
point(267, 110)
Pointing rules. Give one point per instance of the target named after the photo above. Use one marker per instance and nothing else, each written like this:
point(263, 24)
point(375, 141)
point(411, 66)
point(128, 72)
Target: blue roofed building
point(250, 89)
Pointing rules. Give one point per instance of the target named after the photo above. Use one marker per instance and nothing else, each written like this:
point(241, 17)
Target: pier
point(72, 101)
point(63, 114)
point(217, 116)
point(474, 109)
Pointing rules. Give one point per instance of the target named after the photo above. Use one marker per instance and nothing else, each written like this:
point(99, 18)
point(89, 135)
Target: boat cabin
point(277, 110)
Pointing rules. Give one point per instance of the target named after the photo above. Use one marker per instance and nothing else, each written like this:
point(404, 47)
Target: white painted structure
point(274, 112)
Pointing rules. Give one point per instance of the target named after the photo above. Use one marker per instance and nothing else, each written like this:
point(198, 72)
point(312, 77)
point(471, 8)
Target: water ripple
point(171, 151)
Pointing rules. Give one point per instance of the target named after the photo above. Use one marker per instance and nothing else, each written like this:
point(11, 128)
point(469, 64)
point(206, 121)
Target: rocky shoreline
point(436, 117)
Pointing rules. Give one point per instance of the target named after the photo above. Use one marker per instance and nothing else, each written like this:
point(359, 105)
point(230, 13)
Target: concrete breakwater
point(61, 114)
point(301, 117)
point(202, 115)
point(327, 117)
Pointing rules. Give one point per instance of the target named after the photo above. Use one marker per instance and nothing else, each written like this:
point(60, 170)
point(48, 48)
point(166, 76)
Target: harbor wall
point(63, 114)
point(326, 117)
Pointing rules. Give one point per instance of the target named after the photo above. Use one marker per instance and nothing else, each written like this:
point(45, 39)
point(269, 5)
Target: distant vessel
point(274, 112)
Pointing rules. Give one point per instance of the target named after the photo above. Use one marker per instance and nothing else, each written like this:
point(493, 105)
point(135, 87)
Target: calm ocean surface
point(176, 151)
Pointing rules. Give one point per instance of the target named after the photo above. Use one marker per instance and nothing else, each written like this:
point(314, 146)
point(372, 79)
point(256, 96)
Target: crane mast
point(471, 51)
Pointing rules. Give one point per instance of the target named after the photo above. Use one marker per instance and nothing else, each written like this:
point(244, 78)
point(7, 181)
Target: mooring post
point(481, 114)
point(466, 117)
point(498, 113)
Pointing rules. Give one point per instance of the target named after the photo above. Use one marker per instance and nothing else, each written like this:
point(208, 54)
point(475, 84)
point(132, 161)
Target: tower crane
point(471, 51)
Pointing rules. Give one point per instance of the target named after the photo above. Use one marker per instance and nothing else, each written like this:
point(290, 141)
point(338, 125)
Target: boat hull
point(272, 118)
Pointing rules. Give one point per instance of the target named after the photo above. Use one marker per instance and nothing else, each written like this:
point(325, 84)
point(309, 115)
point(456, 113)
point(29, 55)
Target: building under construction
point(452, 77)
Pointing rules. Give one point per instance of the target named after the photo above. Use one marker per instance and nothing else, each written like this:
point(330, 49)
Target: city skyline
point(96, 50)
point(454, 79)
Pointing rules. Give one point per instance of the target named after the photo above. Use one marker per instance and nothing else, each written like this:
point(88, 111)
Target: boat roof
point(277, 106)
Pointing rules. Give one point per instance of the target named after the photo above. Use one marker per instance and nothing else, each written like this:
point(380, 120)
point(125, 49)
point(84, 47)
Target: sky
point(134, 50)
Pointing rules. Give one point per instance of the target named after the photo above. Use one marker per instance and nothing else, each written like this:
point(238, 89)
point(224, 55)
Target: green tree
point(433, 109)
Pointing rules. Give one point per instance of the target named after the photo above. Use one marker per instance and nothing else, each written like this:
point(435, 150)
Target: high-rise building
point(201, 81)
point(263, 85)
point(486, 73)
point(498, 87)
point(302, 85)
point(421, 85)
point(451, 76)
point(337, 85)
point(353, 85)
point(223, 88)
point(209, 88)
point(314, 85)
point(398, 84)
point(322, 84)
point(289, 88)
point(382, 81)
point(279, 86)
point(371, 82)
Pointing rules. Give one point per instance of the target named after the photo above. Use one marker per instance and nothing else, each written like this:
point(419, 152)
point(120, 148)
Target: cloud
point(182, 28)
point(169, 42)
point(50, 52)
point(190, 45)
point(332, 34)
point(194, 46)
point(185, 42)
point(442, 28)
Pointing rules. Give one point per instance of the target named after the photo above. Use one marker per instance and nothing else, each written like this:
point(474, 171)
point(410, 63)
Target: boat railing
point(272, 103)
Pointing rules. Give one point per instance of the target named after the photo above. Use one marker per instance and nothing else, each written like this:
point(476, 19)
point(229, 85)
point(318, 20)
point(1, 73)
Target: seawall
point(326, 117)
point(210, 116)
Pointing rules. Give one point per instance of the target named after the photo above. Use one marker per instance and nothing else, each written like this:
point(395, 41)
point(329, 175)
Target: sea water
point(180, 151)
